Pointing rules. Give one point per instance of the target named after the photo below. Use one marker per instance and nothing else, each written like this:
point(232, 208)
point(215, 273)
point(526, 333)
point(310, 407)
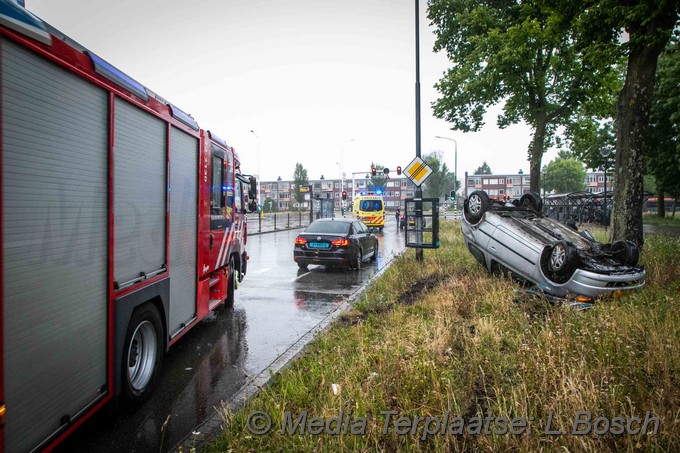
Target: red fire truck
point(122, 226)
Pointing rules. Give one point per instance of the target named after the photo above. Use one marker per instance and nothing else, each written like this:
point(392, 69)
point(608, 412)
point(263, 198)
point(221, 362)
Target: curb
point(209, 429)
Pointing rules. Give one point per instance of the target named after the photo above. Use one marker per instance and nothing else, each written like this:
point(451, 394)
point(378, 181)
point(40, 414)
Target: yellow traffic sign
point(418, 171)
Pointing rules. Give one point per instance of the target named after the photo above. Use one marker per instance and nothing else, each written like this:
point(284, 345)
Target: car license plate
point(319, 245)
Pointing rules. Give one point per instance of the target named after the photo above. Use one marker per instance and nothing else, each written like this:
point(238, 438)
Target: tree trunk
point(632, 111)
point(536, 152)
point(661, 204)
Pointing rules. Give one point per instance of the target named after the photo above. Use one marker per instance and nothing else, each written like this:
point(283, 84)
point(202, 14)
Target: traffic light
point(374, 171)
point(386, 171)
point(398, 169)
point(344, 194)
point(452, 197)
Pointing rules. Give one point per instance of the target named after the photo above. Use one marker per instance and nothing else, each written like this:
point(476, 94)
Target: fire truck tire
point(231, 284)
point(142, 355)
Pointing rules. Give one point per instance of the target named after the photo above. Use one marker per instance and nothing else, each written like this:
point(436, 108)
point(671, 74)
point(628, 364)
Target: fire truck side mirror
point(253, 188)
point(252, 206)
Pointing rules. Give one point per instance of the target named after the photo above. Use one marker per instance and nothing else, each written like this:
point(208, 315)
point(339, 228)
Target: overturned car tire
point(626, 251)
point(476, 205)
point(559, 261)
point(531, 200)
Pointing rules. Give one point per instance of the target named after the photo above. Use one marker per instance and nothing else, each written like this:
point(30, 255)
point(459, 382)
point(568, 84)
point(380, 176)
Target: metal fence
point(583, 207)
point(277, 221)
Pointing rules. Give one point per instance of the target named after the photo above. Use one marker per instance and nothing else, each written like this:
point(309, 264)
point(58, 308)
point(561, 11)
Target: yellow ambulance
point(370, 209)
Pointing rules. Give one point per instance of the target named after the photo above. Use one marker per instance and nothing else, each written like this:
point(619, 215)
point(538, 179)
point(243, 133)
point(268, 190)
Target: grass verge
point(443, 337)
point(653, 219)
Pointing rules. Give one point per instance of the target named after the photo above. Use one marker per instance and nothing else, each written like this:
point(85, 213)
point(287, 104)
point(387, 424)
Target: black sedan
point(342, 242)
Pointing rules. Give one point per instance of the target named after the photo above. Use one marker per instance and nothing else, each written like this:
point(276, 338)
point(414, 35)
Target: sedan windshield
point(328, 227)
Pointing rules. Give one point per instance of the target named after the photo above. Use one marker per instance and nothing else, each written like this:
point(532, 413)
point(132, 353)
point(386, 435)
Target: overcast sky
point(315, 79)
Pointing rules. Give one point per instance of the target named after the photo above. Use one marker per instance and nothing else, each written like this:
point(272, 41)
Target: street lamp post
point(259, 176)
point(455, 167)
point(605, 152)
point(341, 164)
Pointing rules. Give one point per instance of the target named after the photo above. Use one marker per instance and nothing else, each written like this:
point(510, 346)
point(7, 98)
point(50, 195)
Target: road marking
point(262, 271)
point(300, 276)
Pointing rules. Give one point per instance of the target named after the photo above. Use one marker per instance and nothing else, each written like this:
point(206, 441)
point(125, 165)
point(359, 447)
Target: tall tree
point(649, 25)
point(663, 145)
point(301, 179)
point(441, 180)
point(522, 53)
point(483, 169)
point(564, 174)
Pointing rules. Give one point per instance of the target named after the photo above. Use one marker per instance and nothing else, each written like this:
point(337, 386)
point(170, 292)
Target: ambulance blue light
point(378, 192)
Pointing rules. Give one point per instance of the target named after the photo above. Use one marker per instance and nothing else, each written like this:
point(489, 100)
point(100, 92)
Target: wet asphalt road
point(276, 304)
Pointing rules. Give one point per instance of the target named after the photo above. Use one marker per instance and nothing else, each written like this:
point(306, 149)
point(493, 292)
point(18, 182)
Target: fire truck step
point(214, 281)
point(213, 303)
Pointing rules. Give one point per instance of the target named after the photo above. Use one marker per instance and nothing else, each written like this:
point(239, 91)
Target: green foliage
point(301, 179)
point(588, 137)
point(483, 169)
point(440, 182)
point(269, 205)
point(564, 175)
point(523, 54)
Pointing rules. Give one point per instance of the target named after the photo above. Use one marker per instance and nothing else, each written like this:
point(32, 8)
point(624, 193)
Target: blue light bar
point(117, 76)
point(183, 117)
point(18, 19)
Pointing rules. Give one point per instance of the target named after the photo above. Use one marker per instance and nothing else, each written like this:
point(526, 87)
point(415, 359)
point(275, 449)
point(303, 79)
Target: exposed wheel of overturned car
point(559, 261)
point(476, 205)
point(531, 200)
point(626, 251)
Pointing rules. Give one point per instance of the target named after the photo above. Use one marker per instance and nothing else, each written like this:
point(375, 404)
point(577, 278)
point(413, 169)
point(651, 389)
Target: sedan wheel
point(375, 251)
point(476, 205)
point(559, 262)
point(358, 260)
point(558, 257)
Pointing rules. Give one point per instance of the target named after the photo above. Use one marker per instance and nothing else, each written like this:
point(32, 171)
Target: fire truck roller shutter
point(139, 192)
point(183, 228)
point(54, 242)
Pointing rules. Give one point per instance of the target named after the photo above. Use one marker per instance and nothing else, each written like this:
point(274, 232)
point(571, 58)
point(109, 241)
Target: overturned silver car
point(520, 239)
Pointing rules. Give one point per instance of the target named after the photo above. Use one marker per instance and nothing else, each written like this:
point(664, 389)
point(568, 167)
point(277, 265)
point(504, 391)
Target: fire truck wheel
point(142, 355)
point(231, 284)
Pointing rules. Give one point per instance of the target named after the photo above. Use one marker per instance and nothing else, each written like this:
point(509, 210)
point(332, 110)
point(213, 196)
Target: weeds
point(443, 337)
